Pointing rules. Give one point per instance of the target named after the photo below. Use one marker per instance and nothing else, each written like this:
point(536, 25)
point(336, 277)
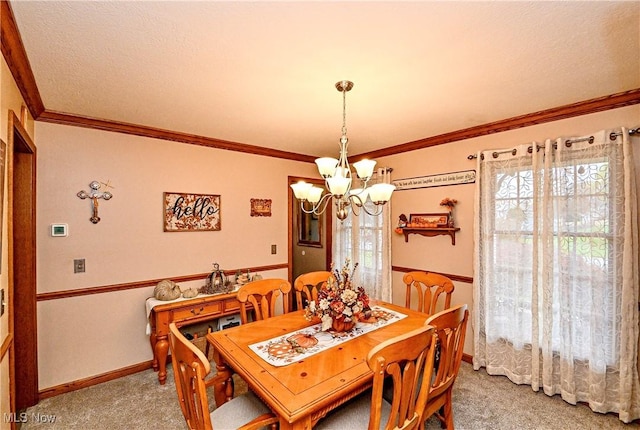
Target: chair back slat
point(307, 286)
point(406, 360)
point(450, 331)
point(433, 291)
point(263, 295)
point(190, 367)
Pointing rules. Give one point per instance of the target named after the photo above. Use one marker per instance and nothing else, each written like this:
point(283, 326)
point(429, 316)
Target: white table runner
point(300, 344)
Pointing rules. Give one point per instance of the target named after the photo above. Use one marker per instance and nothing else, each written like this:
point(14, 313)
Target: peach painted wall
point(437, 253)
point(104, 332)
point(128, 244)
point(10, 100)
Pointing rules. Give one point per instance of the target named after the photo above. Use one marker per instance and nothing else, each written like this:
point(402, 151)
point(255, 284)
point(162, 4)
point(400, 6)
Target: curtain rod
point(568, 142)
point(384, 169)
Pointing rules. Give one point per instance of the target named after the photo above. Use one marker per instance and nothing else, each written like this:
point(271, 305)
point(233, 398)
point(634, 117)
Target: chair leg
point(207, 346)
point(440, 414)
point(448, 410)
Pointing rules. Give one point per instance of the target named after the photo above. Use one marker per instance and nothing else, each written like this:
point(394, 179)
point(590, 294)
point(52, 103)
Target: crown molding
point(157, 133)
point(613, 101)
point(16, 58)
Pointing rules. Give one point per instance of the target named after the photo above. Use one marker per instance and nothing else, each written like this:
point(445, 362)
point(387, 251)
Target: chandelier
point(339, 179)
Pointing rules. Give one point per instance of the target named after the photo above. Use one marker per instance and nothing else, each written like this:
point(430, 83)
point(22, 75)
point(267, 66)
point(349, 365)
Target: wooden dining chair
point(307, 286)
point(263, 295)
point(190, 368)
point(434, 291)
point(405, 360)
point(450, 326)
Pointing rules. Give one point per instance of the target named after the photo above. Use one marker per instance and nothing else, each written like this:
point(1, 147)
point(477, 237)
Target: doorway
point(22, 264)
point(310, 237)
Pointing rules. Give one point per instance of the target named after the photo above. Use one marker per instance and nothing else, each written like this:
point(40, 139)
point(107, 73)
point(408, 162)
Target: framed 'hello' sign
point(191, 212)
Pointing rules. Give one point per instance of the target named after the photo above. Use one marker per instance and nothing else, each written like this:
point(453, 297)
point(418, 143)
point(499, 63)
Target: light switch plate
point(78, 265)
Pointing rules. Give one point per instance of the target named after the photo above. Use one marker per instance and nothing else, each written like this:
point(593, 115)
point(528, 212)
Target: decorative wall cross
point(94, 195)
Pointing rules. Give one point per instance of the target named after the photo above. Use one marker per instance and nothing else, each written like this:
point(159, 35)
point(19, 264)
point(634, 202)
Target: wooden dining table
point(304, 391)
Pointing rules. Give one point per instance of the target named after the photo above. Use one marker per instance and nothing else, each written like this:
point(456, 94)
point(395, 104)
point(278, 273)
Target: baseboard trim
point(94, 380)
point(467, 358)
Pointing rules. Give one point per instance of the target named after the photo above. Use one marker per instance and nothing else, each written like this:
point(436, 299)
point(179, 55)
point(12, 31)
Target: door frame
point(327, 230)
point(22, 265)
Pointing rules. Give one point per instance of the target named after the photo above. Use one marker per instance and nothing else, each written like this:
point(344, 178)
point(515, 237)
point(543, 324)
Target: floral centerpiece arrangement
point(340, 305)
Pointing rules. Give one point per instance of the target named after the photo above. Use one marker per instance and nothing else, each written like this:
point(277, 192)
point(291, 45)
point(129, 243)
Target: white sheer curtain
point(366, 239)
point(556, 270)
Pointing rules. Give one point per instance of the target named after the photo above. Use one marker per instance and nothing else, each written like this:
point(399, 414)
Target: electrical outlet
point(78, 265)
point(274, 249)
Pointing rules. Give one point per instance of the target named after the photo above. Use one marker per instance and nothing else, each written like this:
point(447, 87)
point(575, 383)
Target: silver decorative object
point(94, 195)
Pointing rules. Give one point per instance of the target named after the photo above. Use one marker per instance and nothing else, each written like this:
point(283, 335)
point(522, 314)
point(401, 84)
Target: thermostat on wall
point(59, 229)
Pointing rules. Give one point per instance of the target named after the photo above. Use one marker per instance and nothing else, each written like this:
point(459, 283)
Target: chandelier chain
point(344, 112)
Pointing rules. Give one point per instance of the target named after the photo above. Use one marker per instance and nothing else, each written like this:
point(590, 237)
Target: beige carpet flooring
point(480, 402)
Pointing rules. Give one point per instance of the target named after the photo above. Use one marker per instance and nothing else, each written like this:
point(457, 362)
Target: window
point(582, 245)
point(556, 270)
point(368, 237)
point(366, 240)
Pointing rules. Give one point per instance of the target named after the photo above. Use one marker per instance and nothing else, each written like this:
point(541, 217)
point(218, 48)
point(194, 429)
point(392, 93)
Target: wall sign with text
point(453, 178)
point(191, 212)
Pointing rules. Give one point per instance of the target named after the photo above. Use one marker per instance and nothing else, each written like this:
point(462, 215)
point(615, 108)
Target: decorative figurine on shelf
point(216, 282)
point(241, 278)
point(402, 223)
point(449, 204)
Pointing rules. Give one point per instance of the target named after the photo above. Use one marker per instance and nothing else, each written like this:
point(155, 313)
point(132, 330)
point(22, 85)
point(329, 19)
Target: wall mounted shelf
point(430, 232)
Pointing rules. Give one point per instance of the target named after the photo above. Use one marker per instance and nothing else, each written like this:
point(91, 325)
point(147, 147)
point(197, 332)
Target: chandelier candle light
point(338, 179)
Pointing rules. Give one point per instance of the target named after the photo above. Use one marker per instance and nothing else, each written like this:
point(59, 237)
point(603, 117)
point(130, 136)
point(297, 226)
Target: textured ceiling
point(263, 73)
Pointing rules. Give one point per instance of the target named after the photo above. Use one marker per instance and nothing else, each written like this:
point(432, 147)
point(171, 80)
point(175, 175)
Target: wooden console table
point(184, 312)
